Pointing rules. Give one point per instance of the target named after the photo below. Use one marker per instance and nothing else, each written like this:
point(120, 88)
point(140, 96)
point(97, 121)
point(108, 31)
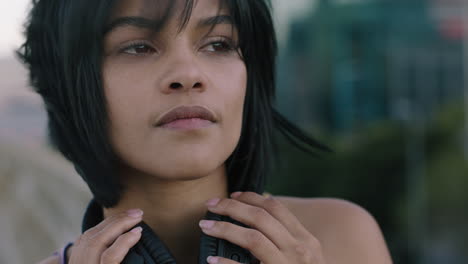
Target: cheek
point(233, 102)
point(125, 104)
point(235, 98)
point(232, 84)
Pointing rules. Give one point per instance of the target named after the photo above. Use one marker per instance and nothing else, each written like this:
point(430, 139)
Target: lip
point(186, 113)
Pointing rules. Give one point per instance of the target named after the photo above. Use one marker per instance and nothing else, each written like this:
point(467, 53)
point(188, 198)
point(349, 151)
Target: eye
point(138, 48)
point(220, 45)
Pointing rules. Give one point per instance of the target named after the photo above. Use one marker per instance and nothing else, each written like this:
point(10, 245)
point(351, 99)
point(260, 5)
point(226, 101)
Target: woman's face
point(148, 73)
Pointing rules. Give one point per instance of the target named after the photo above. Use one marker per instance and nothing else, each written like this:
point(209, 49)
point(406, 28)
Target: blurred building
point(350, 63)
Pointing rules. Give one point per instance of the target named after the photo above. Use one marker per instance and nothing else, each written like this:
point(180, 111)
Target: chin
point(194, 166)
point(182, 167)
point(168, 160)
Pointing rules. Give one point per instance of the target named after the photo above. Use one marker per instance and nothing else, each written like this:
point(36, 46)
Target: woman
point(165, 109)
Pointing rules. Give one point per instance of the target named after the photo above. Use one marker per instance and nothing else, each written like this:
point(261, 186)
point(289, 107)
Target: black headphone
point(151, 250)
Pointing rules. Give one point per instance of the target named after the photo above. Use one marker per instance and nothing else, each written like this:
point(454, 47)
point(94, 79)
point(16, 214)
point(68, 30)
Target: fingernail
point(137, 229)
point(135, 213)
point(235, 194)
point(206, 224)
point(213, 202)
point(212, 260)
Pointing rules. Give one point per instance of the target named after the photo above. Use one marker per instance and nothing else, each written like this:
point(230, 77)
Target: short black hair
point(63, 52)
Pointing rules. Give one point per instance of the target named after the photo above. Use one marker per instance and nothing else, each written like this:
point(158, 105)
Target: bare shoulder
point(50, 260)
point(346, 231)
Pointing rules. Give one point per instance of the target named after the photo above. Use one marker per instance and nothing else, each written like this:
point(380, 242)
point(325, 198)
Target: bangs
point(159, 12)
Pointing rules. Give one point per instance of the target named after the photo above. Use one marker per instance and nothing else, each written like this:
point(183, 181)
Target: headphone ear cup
point(211, 246)
point(150, 249)
point(133, 257)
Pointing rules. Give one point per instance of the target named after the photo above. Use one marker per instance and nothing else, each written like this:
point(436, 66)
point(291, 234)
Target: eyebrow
point(154, 24)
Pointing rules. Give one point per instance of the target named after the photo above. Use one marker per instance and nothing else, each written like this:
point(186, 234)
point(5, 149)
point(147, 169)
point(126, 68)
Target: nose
point(183, 75)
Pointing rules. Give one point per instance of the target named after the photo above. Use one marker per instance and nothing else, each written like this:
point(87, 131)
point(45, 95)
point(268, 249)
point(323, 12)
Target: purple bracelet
point(63, 253)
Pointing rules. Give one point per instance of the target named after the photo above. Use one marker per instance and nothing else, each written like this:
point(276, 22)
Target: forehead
point(166, 9)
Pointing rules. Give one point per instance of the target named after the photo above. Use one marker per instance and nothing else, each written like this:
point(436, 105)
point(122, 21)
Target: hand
point(276, 236)
point(109, 241)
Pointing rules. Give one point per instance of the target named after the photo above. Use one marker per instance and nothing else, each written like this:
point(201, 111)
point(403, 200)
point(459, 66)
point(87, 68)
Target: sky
point(13, 13)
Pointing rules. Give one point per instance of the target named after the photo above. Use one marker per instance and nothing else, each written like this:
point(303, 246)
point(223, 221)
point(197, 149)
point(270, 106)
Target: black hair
point(63, 51)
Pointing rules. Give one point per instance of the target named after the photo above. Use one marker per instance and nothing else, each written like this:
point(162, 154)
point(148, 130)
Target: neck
point(173, 209)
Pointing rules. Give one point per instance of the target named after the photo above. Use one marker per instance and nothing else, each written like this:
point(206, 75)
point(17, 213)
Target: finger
point(104, 235)
point(257, 218)
point(220, 260)
point(112, 219)
point(117, 252)
point(277, 210)
point(252, 240)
